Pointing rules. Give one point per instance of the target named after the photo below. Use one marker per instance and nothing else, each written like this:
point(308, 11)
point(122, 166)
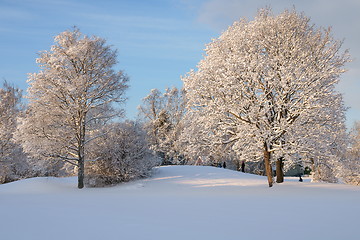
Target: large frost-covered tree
point(72, 94)
point(266, 81)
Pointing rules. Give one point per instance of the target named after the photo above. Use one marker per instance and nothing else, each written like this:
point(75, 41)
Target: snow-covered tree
point(163, 114)
point(74, 91)
point(264, 81)
point(11, 156)
point(124, 154)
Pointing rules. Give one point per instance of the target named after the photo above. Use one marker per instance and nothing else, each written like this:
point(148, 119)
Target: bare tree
point(73, 92)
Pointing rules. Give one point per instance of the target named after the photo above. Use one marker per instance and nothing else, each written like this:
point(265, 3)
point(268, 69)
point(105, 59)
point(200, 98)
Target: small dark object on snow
point(224, 165)
point(300, 180)
point(243, 166)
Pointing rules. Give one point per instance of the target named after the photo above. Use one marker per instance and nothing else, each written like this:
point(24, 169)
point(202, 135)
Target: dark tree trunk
point(81, 153)
point(267, 163)
point(279, 171)
point(81, 173)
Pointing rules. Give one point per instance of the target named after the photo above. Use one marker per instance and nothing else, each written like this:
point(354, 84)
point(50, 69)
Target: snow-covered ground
point(180, 202)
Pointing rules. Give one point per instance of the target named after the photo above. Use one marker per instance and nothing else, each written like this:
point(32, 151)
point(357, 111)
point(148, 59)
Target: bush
point(121, 156)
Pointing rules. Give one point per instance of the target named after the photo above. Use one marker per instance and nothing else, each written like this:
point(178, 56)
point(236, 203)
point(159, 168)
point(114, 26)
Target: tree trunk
point(267, 163)
point(81, 173)
point(81, 153)
point(279, 170)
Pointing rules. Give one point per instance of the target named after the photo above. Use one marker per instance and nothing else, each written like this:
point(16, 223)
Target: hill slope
point(180, 202)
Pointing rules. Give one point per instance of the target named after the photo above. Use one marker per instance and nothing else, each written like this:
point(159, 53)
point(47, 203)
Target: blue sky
point(159, 40)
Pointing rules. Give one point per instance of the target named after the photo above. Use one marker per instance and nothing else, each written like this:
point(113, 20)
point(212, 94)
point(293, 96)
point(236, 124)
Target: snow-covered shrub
point(16, 169)
point(44, 167)
point(349, 172)
point(324, 173)
point(121, 155)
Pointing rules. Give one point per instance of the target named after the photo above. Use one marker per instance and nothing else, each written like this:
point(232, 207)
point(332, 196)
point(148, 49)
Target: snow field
point(180, 202)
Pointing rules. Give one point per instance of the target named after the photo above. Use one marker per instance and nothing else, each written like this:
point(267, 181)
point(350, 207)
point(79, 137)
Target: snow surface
point(180, 202)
